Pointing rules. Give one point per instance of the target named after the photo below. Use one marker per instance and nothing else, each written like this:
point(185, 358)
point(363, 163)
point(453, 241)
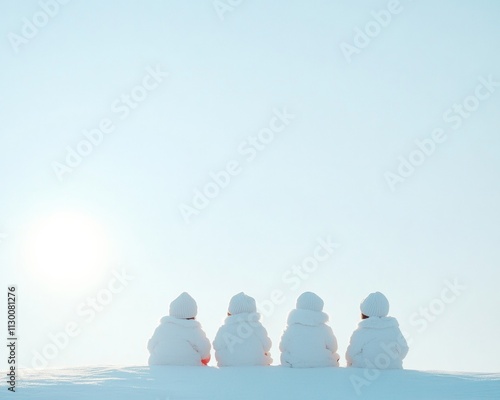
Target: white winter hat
point(183, 306)
point(241, 303)
point(375, 305)
point(310, 301)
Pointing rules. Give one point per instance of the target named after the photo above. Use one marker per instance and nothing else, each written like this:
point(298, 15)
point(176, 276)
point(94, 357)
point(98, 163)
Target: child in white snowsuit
point(242, 340)
point(180, 340)
point(308, 341)
point(378, 342)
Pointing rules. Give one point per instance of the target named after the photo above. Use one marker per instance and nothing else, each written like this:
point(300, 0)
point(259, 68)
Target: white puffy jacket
point(178, 342)
point(242, 340)
point(377, 343)
point(308, 342)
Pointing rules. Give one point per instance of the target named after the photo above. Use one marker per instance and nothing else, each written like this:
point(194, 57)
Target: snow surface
point(239, 383)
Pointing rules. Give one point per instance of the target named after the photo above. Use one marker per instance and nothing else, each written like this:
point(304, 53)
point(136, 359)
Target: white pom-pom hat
point(241, 303)
point(310, 301)
point(375, 305)
point(184, 307)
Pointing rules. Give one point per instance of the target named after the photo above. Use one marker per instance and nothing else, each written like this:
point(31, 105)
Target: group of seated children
point(307, 341)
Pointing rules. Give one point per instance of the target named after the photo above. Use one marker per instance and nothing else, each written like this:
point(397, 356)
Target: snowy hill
point(170, 383)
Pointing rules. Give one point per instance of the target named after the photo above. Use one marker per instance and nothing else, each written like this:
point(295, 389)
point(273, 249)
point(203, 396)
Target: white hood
point(307, 317)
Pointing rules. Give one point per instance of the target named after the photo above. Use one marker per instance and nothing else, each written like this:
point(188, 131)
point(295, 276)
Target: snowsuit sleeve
point(355, 347)
point(403, 345)
point(153, 341)
point(331, 343)
point(201, 344)
point(264, 338)
point(218, 342)
point(331, 340)
point(284, 341)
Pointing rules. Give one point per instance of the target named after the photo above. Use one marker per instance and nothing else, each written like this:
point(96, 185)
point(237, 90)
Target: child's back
point(242, 340)
point(378, 341)
point(307, 341)
point(179, 340)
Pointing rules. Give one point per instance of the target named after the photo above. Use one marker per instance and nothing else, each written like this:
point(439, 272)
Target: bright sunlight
point(68, 250)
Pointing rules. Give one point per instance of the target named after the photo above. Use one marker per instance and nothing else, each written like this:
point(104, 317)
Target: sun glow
point(68, 250)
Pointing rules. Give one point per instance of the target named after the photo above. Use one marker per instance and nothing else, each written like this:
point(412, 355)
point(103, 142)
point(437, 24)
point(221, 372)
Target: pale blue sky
point(323, 175)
